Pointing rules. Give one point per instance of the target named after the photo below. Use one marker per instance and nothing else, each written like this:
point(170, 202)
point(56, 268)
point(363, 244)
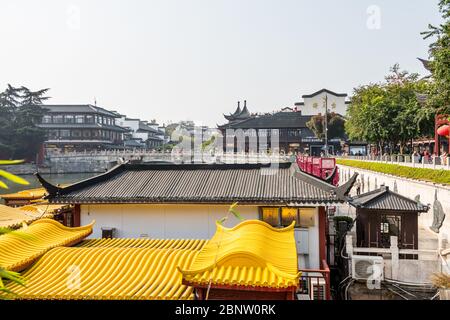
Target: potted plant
point(442, 282)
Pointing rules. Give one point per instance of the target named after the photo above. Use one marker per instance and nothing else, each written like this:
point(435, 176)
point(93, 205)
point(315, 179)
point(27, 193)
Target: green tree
point(9, 102)
point(33, 98)
point(20, 111)
point(336, 126)
point(439, 52)
point(10, 99)
point(389, 114)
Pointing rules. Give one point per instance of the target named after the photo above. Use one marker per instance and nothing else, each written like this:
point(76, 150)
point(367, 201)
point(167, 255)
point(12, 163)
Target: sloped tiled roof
point(15, 217)
point(385, 199)
point(30, 194)
point(191, 244)
point(252, 254)
point(79, 108)
point(19, 251)
point(145, 127)
point(197, 183)
point(277, 120)
point(326, 91)
point(108, 273)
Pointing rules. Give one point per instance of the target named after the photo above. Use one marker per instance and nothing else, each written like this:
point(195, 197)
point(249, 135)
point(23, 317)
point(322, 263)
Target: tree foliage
point(389, 113)
point(20, 111)
point(439, 52)
point(336, 127)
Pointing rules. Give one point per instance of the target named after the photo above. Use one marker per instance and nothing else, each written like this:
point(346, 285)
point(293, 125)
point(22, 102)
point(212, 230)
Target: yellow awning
point(18, 252)
point(251, 254)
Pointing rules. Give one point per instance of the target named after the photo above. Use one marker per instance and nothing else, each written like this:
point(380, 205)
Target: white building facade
point(314, 103)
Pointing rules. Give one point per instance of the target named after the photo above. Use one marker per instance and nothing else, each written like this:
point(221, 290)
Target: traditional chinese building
point(184, 201)
point(249, 261)
point(256, 261)
point(146, 134)
point(383, 213)
point(80, 127)
point(287, 127)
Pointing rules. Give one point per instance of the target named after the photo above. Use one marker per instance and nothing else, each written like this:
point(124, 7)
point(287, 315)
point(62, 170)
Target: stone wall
point(26, 168)
point(80, 164)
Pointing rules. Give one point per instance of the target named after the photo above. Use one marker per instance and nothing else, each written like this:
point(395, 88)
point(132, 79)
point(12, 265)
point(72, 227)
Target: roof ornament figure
point(438, 214)
point(417, 198)
point(395, 186)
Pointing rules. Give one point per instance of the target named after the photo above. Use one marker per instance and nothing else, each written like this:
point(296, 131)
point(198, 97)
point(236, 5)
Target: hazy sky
point(194, 59)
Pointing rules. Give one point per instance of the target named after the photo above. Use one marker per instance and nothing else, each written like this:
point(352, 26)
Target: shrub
point(338, 219)
point(432, 175)
point(441, 280)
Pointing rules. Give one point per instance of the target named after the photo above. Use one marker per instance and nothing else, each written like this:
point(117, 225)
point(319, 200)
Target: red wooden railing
point(316, 282)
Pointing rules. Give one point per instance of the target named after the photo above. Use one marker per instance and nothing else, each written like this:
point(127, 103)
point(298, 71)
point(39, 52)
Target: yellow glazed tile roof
point(14, 217)
point(251, 254)
point(107, 273)
point(17, 253)
point(29, 194)
point(42, 207)
point(191, 244)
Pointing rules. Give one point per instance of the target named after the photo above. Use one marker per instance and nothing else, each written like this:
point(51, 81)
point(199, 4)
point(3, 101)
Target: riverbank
point(68, 166)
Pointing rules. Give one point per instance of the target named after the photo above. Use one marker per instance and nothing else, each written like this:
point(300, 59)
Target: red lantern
point(443, 130)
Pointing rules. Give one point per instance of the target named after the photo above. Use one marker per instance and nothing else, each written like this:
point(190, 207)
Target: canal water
point(65, 178)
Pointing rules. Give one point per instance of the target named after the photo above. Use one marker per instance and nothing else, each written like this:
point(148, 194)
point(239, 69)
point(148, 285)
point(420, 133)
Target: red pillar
point(322, 234)
point(436, 136)
point(77, 216)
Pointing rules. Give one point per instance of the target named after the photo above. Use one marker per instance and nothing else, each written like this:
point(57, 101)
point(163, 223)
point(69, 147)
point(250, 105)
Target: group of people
point(424, 155)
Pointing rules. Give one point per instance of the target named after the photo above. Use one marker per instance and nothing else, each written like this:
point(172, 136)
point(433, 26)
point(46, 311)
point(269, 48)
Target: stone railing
point(150, 155)
point(406, 270)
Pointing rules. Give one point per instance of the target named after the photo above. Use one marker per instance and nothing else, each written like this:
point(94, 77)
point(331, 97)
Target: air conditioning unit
point(365, 267)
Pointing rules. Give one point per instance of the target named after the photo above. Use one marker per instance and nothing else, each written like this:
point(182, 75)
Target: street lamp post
point(325, 126)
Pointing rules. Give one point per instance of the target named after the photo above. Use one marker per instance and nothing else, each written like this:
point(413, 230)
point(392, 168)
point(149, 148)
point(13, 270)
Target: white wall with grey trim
point(371, 180)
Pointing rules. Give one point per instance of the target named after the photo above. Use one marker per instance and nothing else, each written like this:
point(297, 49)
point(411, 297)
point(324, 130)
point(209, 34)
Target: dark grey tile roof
point(197, 183)
point(276, 120)
point(324, 90)
point(133, 143)
point(144, 127)
point(156, 139)
point(79, 108)
point(385, 199)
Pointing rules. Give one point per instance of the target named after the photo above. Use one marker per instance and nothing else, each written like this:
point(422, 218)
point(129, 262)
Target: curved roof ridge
point(265, 224)
point(250, 254)
point(240, 254)
point(63, 227)
point(324, 90)
point(110, 273)
point(39, 237)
